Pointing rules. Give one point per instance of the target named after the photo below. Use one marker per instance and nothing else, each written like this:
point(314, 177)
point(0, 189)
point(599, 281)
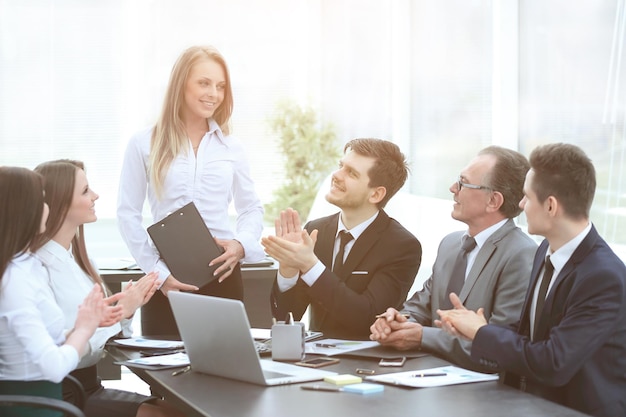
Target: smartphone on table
point(318, 362)
point(399, 361)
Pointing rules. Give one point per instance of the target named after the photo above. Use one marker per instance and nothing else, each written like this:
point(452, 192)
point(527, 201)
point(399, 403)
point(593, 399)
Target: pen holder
point(288, 341)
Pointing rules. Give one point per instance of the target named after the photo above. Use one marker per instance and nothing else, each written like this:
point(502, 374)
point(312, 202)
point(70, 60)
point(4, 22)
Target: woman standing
point(189, 156)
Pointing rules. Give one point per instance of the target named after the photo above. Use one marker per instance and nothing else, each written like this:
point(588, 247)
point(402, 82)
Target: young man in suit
point(495, 276)
point(569, 345)
point(380, 259)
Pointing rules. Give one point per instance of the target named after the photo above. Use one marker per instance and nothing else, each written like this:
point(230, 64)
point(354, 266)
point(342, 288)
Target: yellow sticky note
point(343, 379)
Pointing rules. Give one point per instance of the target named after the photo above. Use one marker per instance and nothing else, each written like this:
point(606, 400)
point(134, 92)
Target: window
point(441, 79)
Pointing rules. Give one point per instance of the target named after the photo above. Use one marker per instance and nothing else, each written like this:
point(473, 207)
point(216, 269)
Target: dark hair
point(60, 181)
point(390, 169)
point(564, 171)
point(21, 208)
point(507, 177)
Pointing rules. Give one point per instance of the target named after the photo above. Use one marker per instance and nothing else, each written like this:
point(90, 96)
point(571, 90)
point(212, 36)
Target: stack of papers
point(142, 343)
point(433, 377)
point(174, 360)
point(330, 347)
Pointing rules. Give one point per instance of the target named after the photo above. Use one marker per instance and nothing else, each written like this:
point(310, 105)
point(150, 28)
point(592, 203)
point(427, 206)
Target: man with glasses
point(488, 265)
point(569, 343)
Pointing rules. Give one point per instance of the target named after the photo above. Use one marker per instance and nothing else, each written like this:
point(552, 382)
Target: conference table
point(205, 395)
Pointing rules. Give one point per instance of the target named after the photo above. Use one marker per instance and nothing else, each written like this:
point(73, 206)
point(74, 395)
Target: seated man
point(347, 284)
point(569, 343)
point(493, 274)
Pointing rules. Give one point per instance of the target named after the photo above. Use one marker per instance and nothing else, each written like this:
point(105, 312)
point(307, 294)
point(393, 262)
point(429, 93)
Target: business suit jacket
point(496, 282)
point(378, 273)
point(578, 357)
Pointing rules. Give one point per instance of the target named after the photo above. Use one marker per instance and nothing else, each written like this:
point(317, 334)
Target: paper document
point(175, 359)
point(116, 264)
point(261, 334)
point(433, 377)
point(330, 347)
point(140, 342)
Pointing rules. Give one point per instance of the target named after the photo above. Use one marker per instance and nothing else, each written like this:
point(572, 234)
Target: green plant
point(310, 150)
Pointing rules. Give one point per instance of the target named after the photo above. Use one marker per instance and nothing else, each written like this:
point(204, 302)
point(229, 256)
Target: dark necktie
point(457, 279)
point(543, 291)
point(344, 238)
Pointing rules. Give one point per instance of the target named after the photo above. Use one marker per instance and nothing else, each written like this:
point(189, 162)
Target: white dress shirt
point(70, 286)
point(31, 326)
point(218, 175)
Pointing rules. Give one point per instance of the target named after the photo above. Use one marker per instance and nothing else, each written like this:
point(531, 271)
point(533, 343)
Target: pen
point(383, 315)
point(317, 387)
point(363, 371)
point(325, 345)
point(182, 371)
point(423, 375)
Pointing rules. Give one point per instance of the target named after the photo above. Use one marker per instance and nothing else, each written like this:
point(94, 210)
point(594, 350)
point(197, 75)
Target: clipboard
point(186, 246)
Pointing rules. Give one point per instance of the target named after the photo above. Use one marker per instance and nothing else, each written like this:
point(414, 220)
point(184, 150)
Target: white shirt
point(31, 326)
point(311, 276)
point(70, 286)
point(558, 259)
point(218, 175)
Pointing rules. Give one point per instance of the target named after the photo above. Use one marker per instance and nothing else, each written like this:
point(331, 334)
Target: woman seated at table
point(62, 250)
point(36, 352)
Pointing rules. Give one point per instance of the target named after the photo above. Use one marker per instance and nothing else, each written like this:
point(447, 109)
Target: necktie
point(543, 291)
point(457, 279)
point(344, 238)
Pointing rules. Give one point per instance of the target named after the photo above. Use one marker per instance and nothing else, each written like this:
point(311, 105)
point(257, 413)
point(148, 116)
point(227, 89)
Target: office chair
point(52, 404)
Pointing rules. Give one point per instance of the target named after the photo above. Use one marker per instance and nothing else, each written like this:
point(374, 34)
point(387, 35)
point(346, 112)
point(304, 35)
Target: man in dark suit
point(569, 345)
point(496, 274)
point(347, 285)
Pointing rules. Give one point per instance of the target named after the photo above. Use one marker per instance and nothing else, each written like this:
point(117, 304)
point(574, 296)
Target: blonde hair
point(169, 137)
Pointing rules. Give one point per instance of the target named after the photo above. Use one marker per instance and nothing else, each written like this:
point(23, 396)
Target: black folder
point(186, 245)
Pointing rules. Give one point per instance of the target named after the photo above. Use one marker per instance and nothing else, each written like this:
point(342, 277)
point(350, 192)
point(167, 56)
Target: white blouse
point(70, 286)
point(31, 326)
point(218, 175)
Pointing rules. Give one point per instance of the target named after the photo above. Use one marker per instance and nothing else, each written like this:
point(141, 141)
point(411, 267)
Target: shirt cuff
point(311, 276)
point(285, 283)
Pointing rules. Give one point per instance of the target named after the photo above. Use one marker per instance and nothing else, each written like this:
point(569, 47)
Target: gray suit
point(497, 282)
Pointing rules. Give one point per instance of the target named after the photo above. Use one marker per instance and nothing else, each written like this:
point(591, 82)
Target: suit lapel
point(579, 255)
point(483, 256)
point(326, 240)
point(540, 255)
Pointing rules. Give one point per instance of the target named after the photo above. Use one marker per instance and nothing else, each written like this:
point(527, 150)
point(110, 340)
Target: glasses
point(462, 184)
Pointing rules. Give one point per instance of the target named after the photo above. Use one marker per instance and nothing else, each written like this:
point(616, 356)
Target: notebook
point(217, 338)
point(186, 245)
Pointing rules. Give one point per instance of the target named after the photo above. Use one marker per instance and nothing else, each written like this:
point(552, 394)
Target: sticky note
point(363, 388)
point(343, 379)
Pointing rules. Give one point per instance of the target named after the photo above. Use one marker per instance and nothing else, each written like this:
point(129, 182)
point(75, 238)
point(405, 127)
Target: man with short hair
point(491, 272)
point(346, 284)
point(569, 345)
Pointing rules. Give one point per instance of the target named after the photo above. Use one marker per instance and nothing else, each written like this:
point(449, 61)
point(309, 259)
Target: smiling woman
point(190, 156)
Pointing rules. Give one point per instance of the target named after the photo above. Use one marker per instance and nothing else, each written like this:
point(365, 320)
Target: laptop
point(217, 338)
